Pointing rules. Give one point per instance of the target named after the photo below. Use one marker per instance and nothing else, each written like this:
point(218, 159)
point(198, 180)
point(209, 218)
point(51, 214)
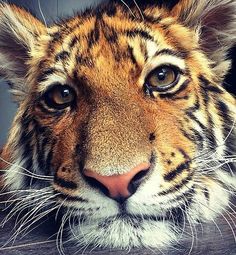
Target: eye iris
point(162, 77)
point(60, 96)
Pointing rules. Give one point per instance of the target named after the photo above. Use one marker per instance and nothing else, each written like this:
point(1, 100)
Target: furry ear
point(215, 23)
point(18, 34)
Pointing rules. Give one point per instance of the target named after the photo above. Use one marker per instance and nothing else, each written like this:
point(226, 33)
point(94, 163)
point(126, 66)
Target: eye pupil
point(162, 74)
point(65, 93)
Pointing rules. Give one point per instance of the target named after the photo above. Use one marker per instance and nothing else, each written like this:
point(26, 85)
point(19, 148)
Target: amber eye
point(162, 78)
point(60, 96)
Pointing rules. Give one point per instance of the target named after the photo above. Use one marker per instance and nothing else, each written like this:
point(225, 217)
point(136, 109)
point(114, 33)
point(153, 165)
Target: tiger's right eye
point(60, 96)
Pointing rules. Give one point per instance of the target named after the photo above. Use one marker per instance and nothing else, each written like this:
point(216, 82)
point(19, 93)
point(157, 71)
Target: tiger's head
point(123, 123)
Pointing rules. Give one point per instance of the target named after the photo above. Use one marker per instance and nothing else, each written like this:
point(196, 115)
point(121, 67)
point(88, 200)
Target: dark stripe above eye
point(43, 76)
point(179, 54)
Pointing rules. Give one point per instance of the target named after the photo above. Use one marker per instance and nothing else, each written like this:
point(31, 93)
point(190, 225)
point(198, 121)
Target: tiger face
point(123, 124)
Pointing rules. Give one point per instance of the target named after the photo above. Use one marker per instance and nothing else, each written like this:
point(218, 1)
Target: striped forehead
point(72, 46)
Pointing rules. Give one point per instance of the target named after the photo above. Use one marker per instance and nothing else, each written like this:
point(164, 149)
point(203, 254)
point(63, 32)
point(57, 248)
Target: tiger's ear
point(18, 34)
point(215, 23)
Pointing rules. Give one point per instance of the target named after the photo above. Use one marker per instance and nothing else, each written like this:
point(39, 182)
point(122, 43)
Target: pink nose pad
point(118, 185)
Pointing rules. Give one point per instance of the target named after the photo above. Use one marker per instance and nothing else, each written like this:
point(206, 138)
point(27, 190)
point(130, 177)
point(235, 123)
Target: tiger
point(123, 125)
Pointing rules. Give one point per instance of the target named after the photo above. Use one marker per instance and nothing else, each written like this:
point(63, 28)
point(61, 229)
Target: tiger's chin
point(132, 228)
point(125, 232)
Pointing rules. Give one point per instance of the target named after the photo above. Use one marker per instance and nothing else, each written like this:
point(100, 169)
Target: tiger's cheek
point(174, 151)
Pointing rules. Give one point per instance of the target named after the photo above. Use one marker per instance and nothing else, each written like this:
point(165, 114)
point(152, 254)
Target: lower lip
point(137, 217)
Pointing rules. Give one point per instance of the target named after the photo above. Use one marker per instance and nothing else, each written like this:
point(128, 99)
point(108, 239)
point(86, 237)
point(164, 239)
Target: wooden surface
point(209, 240)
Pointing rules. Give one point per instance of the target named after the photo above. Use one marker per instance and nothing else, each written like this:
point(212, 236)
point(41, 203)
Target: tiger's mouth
point(135, 218)
point(173, 215)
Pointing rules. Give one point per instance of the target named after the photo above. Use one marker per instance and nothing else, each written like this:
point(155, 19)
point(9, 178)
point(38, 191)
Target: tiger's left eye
point(60, 96)
point(162, 78)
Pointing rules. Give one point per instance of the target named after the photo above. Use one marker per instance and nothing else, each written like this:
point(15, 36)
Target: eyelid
point(53, 84)
point(162, 60)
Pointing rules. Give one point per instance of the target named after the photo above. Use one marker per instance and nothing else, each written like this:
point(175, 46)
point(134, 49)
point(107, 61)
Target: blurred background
point(52, 10)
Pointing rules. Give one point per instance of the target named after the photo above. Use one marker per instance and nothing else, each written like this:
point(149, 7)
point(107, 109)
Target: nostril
point(140, 175)
point(136, 180)
point(96, 184)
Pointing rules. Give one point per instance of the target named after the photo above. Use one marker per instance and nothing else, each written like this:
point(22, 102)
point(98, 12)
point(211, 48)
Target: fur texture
point(116, 121)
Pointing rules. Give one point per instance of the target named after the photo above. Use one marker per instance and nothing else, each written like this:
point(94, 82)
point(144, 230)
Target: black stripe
point(70, 198)
point(43, 76)
point(57, 36)
point(185, 196)
point(84, 61)
point(206, 194)
point(179, 54)
point(43, 142)
point(184, 154)
point(62, 55)
point(40, 152)
point(110, 10)
point(182, 87)
point(74, 41)
point(25, 143)
point(65, 184)
point(178, 186)
point(94, 35)
point(227, 132)
point(224, 110)
point(204, 83)
point(178, 170)
point(138, 32)
point(110, 34)
point(180, 97)
point(151, 19)
point(194, 136)
point(176, 215)
point(195, 107)
point(131, 54)
point(49, 161)
point(208, 86)
point(194, 118)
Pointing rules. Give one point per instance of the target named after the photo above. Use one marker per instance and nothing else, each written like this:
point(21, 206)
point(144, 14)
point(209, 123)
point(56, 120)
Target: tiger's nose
point(118, 187)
